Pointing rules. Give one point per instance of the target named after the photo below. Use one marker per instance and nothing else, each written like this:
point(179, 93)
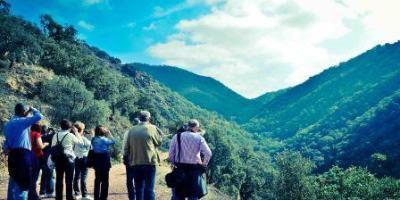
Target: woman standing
point(102, 162)
point(81, 169)
point(37, 154)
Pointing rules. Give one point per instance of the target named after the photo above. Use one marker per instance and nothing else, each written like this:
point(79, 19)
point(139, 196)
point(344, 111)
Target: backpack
point(57, 151)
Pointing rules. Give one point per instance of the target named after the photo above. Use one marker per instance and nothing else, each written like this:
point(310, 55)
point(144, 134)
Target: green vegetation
point(348, 115)
point(203, 91)
point(206, 92)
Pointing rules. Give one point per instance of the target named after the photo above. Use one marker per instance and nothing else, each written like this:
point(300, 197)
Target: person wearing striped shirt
point(193, 158)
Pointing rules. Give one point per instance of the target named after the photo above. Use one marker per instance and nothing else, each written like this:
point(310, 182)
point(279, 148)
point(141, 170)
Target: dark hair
point(144, 116)
point(182, 129)
point(100, 130)
point(65, 124)
point(20, 109)
point(36, 127)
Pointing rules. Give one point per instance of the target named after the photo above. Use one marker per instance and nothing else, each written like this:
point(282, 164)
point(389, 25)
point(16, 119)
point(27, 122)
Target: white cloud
point(162, 12)
point(93, 2)
point(131, 25)
point(85, 25)
point(150, 27)
point(255, 46)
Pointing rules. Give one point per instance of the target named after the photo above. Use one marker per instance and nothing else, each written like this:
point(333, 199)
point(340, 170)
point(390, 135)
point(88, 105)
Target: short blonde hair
point(80, 126)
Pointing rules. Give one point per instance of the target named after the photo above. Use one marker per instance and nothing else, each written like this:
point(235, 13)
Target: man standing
point(189, 151)
point(140, 149)
point(18, 143)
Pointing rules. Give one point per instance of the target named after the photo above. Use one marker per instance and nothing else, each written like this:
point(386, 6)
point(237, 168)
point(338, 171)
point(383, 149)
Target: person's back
point(17, 130)
point(140, 149)
point(192, 144)
point(68, 141)
point(65, 163)
point(18, 146)
point(142, 141)
point(186, 152)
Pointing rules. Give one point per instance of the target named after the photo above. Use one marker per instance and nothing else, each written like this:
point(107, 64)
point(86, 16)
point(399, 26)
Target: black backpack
point(57, 151)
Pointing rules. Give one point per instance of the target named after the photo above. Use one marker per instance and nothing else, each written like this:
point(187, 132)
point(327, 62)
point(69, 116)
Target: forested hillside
point(206, 92)
point(348, 110)
point(343, 116)
point(203, 91)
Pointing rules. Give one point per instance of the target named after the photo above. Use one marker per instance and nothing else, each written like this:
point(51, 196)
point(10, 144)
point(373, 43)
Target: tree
point(292, 181)
point(4, 7)
point(56, 31)
point(70, 99)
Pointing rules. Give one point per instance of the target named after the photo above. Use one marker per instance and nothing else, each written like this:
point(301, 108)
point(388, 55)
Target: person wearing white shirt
point(81, 169)
point(68, 137)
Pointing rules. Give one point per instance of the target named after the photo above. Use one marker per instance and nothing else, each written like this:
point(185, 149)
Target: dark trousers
point(81, 172)
point(47, 179)
point(101, 184)
point(129, 183)
point(32, 194)
point(144, 176)
point(66, 168)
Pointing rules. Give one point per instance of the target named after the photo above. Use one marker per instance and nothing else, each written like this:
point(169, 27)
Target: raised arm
point(28, 121)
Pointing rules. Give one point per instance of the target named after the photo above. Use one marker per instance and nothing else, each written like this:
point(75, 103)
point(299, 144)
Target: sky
point(251, 46)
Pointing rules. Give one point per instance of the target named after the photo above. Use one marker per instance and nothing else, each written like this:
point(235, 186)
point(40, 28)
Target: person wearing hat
point(18, 144)
point(193, 158)
point(140, 149)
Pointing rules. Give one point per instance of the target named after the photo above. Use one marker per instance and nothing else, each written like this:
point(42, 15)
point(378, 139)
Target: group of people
point(69, 152)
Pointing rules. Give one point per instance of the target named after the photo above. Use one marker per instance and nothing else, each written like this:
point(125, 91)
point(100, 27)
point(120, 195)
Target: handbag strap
point(179, 147)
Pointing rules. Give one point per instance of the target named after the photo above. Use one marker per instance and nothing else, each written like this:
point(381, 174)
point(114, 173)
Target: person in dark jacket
point(18, 145)
point(47, 179)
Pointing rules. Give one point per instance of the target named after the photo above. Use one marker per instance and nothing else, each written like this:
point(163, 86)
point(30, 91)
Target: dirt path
point(118, 191)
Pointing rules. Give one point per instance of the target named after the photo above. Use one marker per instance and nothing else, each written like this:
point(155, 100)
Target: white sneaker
point(87, 198)
point(50, 196)
point(78, 196)
point(43, 196)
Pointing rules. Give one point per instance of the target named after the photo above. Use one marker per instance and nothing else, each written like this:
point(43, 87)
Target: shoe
point(42, 196)
point(50, 196)
point(78, 196)
point(87, 198)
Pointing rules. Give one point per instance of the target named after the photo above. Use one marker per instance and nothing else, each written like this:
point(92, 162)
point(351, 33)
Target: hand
point(46, 144)
point(108, 133)
point(28, 111)
point(74, 130)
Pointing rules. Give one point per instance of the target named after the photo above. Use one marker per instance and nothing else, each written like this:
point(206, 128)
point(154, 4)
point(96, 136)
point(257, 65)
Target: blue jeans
point(47, 179)
point(129, 182)
point(14, 192)
point(144, 176)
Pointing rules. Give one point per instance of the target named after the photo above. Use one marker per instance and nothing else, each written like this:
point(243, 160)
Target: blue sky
point(252, 46)
point(124, 28)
